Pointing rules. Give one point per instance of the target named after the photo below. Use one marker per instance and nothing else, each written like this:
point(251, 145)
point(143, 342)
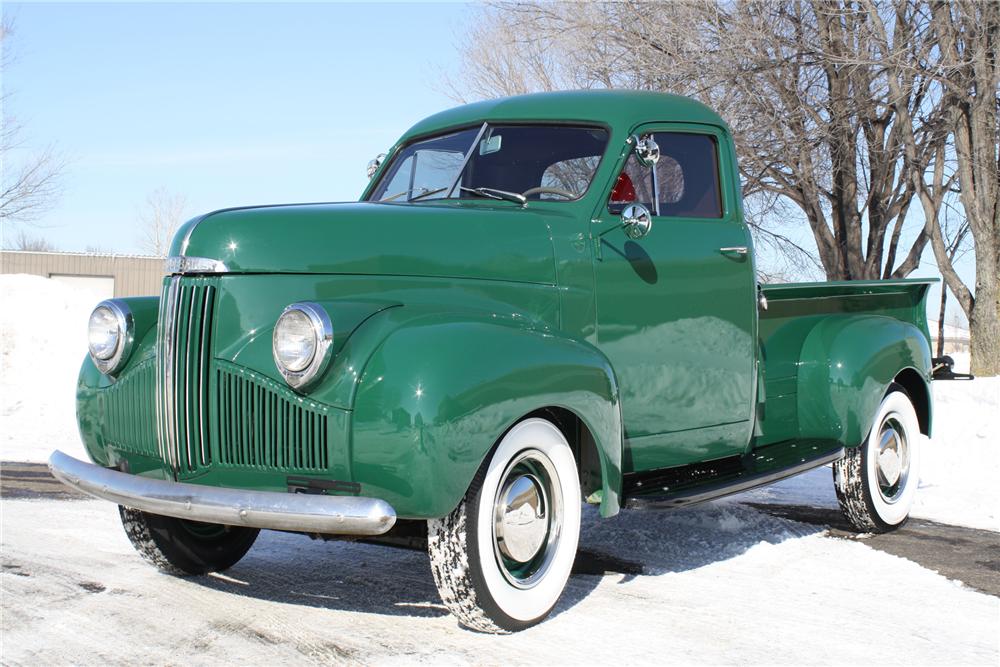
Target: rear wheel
point(876, 482)
point(502, 558)
point(182, 547)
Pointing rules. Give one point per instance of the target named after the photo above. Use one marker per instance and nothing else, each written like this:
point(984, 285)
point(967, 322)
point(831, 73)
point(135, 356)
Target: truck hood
point(448, 240)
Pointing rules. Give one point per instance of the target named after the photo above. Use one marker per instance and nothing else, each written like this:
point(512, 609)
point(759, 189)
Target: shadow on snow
point(380, 579)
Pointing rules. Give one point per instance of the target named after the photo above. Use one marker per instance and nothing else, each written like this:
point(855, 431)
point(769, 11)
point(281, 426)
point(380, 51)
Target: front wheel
point(876, 482)
point(502, 558)
point(182, 547)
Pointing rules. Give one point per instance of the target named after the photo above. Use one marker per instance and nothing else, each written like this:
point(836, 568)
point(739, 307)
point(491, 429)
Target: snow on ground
point(43, 340)
point(959, 466)
point(723, 583)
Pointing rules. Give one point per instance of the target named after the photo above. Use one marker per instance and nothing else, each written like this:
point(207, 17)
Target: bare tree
point(965, 68)
point(29, 242)
point(162, 216)
point(968, 37)
point(796, 81)
point(30, 183)
point(955, 238)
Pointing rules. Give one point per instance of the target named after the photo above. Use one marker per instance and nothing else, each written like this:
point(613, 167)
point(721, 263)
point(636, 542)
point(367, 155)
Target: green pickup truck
point(539, 302)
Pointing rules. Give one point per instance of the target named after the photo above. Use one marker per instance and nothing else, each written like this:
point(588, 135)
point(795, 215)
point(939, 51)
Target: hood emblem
point(188, 265)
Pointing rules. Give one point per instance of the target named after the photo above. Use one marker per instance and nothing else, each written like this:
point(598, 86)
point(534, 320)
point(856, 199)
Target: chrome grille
point(183, 357)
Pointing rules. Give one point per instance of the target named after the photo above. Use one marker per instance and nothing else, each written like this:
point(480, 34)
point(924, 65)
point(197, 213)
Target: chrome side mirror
point(647, 151)
point(373, 165)
point(637, 221)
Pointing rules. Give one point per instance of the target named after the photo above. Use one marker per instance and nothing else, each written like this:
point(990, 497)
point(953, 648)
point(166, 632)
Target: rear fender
point(846, 365)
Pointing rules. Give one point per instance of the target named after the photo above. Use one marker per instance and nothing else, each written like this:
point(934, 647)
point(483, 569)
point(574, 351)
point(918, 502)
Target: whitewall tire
point(502, 558)
point(876, 482)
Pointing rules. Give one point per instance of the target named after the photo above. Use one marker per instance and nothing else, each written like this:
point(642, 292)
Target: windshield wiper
point(425, 193)
point(493, 193)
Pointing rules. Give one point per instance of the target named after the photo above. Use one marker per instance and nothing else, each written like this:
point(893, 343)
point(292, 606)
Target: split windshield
point(512, 162)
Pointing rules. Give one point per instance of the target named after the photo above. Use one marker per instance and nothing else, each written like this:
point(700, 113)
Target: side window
point(686, 176)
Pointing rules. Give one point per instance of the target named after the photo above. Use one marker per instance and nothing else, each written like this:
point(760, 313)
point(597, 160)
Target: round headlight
point(295, 340)
point(103, 333)
point(302, 342)
point(110, 334)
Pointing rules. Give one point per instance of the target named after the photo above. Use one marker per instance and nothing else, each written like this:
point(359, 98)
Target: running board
point(639, 497)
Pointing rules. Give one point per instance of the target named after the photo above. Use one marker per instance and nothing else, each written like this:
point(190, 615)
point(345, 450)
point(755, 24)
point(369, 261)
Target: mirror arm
point(611, 228)
point(656, 192)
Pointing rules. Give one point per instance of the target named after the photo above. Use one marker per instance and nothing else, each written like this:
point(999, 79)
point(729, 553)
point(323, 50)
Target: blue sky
point(226, 104)
point(229, 104)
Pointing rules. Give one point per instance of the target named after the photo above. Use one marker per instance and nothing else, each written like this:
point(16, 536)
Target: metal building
point(104, 275)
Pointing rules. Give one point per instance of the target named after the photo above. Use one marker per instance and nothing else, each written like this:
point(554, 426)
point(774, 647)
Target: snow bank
point(961, 463)
point(43, 340)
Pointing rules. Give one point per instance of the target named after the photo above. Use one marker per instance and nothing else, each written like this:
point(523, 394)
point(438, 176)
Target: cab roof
point(619, 109)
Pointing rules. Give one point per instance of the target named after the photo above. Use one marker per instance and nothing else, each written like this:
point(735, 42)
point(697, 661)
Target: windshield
point(514, 162)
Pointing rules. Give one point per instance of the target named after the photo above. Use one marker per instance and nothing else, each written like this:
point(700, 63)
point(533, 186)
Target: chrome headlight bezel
point(126, 336)
point(322, 328)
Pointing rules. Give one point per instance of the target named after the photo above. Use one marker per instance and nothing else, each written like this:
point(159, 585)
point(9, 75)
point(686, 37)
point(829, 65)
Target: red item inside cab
point(623, 191)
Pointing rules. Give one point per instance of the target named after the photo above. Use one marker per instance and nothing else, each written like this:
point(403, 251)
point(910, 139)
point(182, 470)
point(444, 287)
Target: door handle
point(734, 251)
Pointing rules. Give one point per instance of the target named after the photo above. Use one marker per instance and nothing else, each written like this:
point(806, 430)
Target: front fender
point(130, 424)
point(439, 391)
point(845, 367)
point(145, 313)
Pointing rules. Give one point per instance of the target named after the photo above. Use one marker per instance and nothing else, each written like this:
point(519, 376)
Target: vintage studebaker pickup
point(539, 301)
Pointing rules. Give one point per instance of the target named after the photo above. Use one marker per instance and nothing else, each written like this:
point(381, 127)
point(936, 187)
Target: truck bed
point(793, 312)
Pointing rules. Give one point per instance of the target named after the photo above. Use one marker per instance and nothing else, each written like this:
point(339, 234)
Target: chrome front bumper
point(335, 515)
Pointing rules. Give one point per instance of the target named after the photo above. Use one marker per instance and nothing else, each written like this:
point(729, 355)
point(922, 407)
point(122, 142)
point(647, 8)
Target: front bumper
point(335, 515)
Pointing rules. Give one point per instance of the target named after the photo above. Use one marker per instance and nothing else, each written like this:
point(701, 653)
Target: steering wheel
point(552, 191)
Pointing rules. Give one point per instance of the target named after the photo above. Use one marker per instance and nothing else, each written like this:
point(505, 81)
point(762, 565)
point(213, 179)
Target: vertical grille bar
point(177, 368)
point(191, 309)
point(161, 320)
point(203, 359)
point(166, 333)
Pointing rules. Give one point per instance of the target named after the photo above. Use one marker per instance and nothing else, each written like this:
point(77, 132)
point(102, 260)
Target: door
point(676, 308)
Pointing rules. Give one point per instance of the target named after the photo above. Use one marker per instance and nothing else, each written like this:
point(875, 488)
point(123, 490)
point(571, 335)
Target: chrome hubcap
point(526, 518)
point(521, 521)
point(892, 459)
